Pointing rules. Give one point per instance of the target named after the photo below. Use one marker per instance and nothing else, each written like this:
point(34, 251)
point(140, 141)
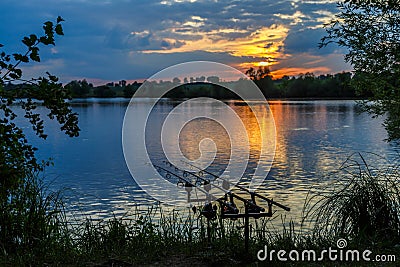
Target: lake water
point(313, 139)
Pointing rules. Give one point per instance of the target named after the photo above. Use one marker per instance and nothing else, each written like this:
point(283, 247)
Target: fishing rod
point(252, 204)
point(190, 184)
point(270, 201)
point(228, 209)
point(228, 192)
point(179, 177)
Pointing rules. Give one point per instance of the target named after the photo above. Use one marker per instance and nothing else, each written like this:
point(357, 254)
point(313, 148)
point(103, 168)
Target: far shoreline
point(230, 99)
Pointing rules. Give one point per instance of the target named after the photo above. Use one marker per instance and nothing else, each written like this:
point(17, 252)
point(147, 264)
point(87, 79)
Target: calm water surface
point(313, 139)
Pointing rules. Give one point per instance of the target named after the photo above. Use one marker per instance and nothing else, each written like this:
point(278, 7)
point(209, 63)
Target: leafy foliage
point(130, 89)
point(103, 91)
point(79, 88)
point(370, 30)
point(308, 85)
point(17, 156)
point(255, 75)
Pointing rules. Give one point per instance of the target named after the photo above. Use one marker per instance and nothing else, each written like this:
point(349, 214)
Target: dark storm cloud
point(307, 40)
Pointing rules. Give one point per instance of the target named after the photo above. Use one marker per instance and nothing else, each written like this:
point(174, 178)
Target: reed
point(361, 204)
point(33, 223)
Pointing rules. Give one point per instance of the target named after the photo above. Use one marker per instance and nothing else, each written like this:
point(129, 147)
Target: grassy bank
point(361, 205)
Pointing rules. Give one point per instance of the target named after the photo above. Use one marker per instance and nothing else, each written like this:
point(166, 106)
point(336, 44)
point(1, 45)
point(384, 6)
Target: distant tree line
point(82, 89)
point(310, 86)
point(302, 86)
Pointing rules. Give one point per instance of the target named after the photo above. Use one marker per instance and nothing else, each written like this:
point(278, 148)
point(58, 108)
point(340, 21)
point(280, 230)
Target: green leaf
point(19, 57)
point(48, 28)
point(48, 24)
point(43, 39)
point(25, 59)
point(47, 40)
point(14, 76)
point(34, 49)
point(33, 38)
point(27, 41)
point(35, 54)
point(59, 19)
point(18, 72)
point(59, 29)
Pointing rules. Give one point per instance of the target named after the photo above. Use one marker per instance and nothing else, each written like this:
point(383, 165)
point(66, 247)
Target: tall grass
point(32, 223)
point(361, 204)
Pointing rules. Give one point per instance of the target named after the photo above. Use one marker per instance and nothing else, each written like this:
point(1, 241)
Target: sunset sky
point(110, 40)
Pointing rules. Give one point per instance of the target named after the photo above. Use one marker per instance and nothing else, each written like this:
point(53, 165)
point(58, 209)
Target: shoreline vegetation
point(307, 86)
point(361, 205)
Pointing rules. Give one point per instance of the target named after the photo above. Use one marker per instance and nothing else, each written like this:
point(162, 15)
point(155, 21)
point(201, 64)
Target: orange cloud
point(266, 42)
point(264, 45)
point(296, 71)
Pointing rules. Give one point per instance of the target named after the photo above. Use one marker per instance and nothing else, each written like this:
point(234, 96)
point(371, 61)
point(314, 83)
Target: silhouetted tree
point(213, 79)
point(18, 162)
point(103, 91)
point(261, 72)
point(79, 88)
point(130, 89)
point(176, 81)
point(263, 79)
point(370, 32)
